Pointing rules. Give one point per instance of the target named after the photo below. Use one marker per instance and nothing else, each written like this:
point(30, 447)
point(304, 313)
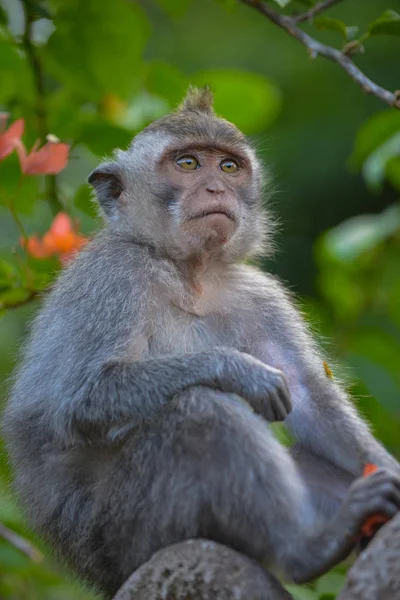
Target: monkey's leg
point(327, 484)
point(210, 468)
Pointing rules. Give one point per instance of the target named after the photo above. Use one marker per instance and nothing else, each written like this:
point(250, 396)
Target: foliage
point(94, 72)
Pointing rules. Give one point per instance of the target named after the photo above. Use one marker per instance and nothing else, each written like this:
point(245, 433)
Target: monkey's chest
point(179, 332)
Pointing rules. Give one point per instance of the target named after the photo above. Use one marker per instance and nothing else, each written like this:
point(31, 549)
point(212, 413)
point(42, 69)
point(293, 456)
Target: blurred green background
point(94, 72)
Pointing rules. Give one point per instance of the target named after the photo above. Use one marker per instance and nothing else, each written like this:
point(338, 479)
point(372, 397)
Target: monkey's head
point(190, 183)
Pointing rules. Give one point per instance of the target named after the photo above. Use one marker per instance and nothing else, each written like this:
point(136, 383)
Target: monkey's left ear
point(106, 180)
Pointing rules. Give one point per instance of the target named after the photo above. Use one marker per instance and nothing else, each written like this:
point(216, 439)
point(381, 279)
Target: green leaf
point(306, 2)
point(37, 10)
point(7, 274)
point(14, 296)
point(249, 100)
point(282, 3)
point(15, 75)
point(388, 23)
point(23, 192)
point(374, 168)
point(356, 235)
point(84, 201)
point(102, 137)
point(165, 81)
point(64, 116)
point(301, 593)
point(177, 8)
point(97, 47)
point(330, 24)
point(348, 33)
point(329, 585)
point(393, 172)
point(378, 380)
point(3, 16)
point(373, 133)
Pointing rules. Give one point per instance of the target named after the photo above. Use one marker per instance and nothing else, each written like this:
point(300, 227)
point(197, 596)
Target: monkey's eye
point(189, 163)
point(229, 166)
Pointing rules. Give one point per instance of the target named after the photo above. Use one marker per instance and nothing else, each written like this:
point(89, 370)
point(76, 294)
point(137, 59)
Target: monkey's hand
point(263, 387)
point(377, 493)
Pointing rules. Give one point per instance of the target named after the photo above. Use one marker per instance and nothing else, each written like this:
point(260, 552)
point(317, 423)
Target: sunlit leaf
point(388, 23)
point(249, 100)
point(375, 166)
point(282, 3)
point(376, 130)
point(358, 234)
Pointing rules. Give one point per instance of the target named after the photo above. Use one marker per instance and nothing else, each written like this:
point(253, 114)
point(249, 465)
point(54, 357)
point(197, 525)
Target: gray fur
point(137, 417)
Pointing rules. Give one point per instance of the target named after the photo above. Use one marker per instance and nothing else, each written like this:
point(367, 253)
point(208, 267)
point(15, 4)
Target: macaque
point(139, 414)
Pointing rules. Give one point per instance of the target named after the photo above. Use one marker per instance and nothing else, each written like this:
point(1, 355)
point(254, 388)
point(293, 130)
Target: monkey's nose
point(215, 187)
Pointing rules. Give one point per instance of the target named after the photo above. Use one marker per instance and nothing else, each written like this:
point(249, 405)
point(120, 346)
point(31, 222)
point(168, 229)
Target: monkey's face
point(205, 193)
point(189, 183)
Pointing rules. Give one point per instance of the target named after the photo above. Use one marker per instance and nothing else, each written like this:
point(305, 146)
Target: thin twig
point(315, 10)
point(41, 112)
point(20, 543)
point(9, 305)
point(315, 48)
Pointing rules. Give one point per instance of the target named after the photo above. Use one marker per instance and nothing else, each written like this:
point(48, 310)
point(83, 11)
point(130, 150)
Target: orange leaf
point(48, 160)
point(34, 247)
point(60, 240)
point(10, 137)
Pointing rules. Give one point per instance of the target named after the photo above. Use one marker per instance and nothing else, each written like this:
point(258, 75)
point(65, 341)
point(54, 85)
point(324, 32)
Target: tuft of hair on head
point(199, 100)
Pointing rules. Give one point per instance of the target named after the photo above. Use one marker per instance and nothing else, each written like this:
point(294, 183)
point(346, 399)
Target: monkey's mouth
point(214, 211)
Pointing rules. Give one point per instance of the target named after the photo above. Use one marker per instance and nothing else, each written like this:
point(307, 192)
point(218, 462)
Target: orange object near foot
point(372, 524)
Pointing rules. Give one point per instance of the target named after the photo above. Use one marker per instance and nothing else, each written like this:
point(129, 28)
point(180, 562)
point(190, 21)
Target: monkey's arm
point(323, 418)
point(124, 395)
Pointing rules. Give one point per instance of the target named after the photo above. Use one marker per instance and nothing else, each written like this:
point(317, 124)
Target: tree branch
point(20, 543)
point(315, 10)
point(41, 112)
point(316, 48)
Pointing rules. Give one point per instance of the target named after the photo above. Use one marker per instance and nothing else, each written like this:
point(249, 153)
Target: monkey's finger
point(285, 398)
point(388, 509)
point(278, 407)
point(383, 477)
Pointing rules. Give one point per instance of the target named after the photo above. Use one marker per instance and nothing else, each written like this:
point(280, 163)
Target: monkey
point(139, 414)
